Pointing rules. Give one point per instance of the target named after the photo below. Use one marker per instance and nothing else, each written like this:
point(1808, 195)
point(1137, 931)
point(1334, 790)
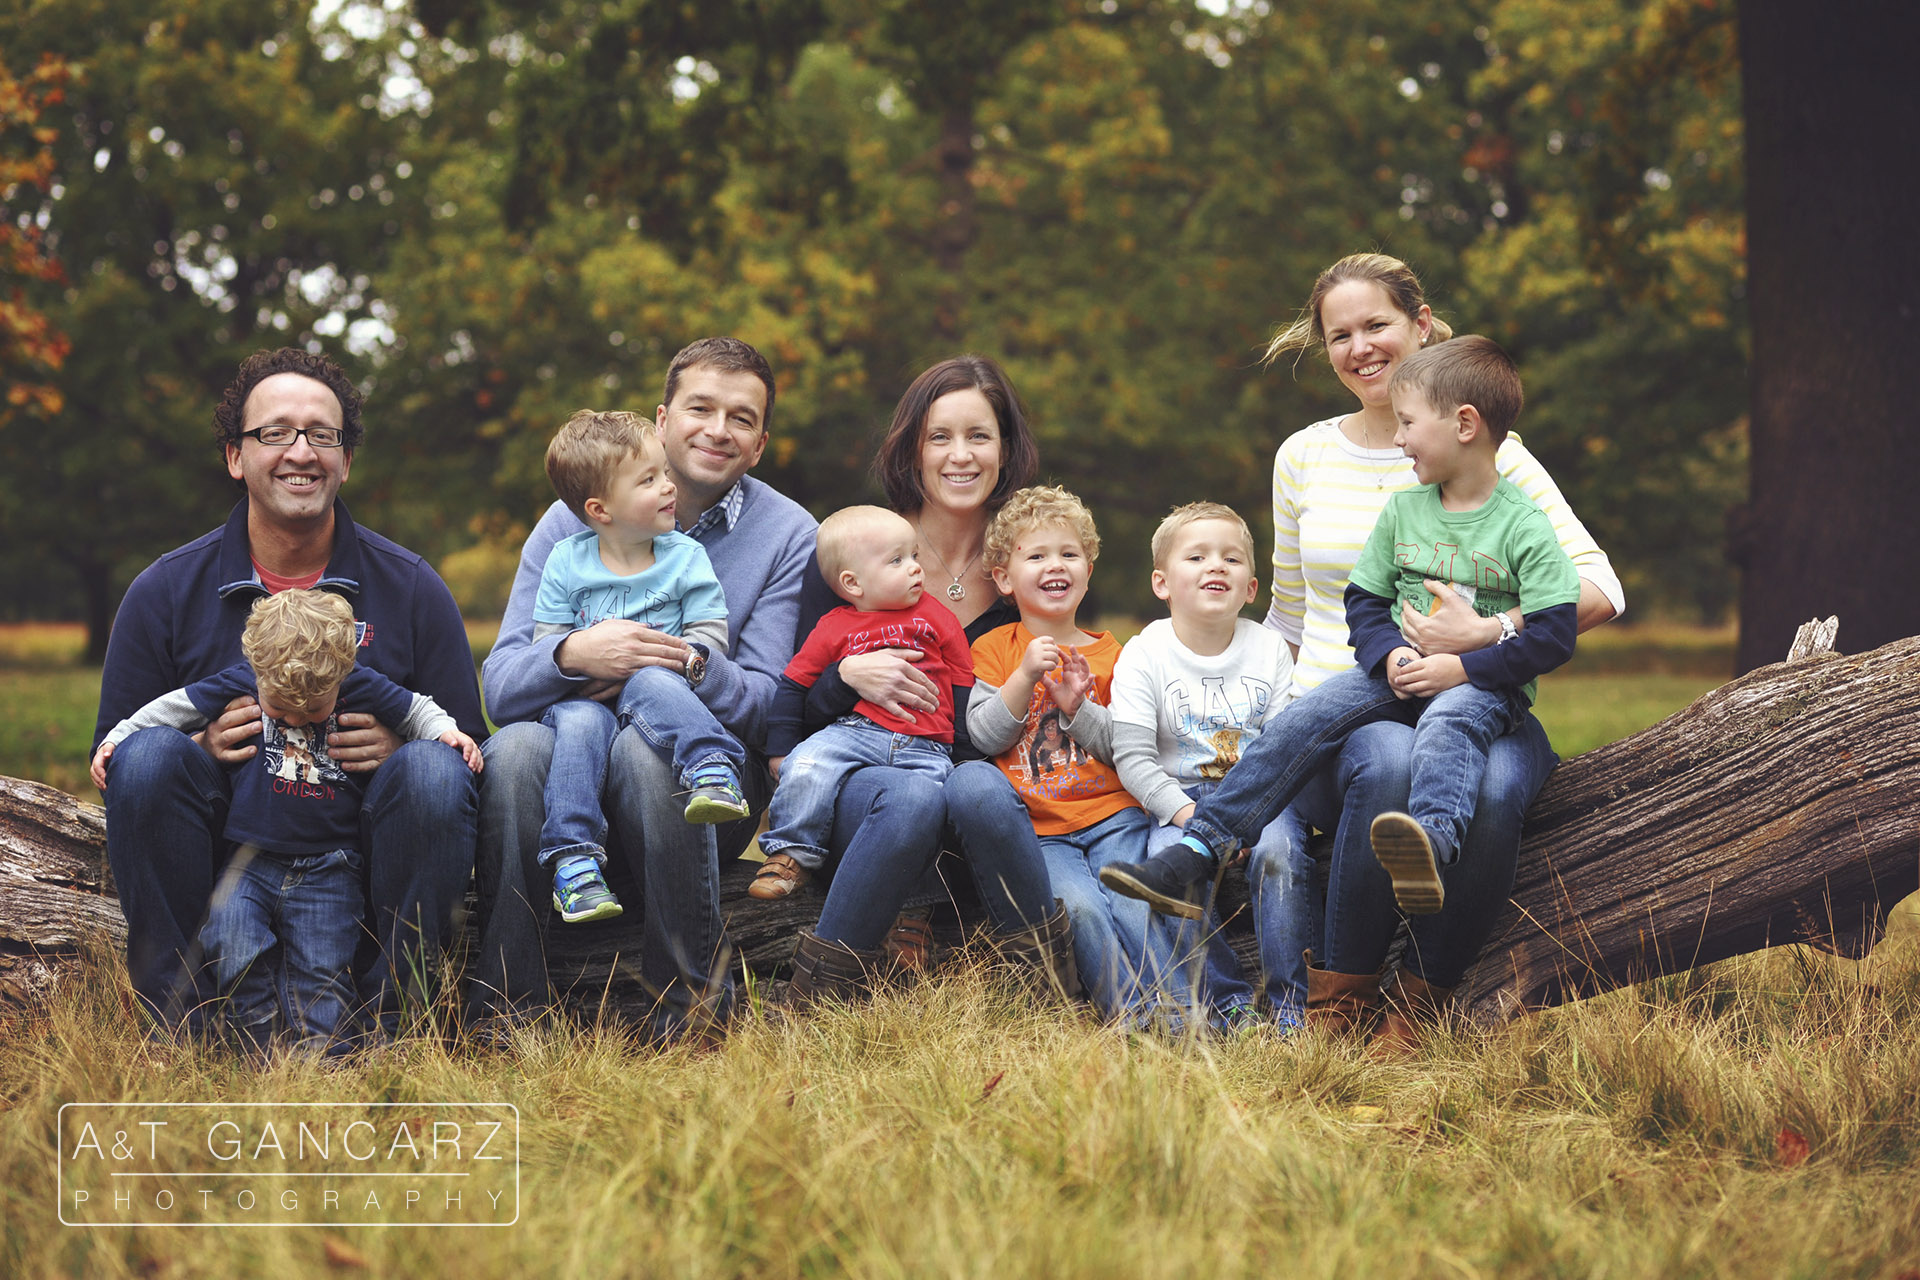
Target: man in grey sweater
point(713, 419)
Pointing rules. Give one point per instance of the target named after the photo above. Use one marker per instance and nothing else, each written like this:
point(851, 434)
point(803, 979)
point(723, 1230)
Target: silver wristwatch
point(696, 668)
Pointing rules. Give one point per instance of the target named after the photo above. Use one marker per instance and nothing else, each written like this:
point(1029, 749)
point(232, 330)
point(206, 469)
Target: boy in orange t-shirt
point(1039, 711)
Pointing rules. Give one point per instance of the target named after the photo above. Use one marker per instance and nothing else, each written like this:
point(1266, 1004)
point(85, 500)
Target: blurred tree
point(31, 348)
point(1831, 136)
point(226, 175)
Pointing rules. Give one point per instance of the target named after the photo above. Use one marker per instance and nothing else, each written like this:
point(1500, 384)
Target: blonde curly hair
point(1031, 508)
point(300, 645)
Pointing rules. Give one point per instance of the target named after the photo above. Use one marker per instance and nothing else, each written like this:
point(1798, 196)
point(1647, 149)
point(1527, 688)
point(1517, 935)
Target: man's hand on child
point(1071, 684)
point(1424, 677)
point(613, 649)
point(99, 769)
point(469, 749)
point(226, 738)
point(773, 766)
point(1452, 627)
point(362, 743)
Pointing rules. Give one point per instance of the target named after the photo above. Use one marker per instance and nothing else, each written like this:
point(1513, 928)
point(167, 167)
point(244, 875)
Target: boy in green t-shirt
point(1463, 525)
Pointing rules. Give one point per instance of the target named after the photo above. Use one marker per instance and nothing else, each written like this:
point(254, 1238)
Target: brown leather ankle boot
point(1044, 953)
point(1341, 1003)
point(1414, 1006)
point(824, 970)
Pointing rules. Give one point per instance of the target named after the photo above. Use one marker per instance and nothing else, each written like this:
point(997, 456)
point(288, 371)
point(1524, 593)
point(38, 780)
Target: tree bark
point(1833, 286)
point(1776, 809)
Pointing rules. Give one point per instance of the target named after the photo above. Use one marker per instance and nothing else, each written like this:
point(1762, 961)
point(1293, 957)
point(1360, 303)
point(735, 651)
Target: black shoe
point(1172, 882)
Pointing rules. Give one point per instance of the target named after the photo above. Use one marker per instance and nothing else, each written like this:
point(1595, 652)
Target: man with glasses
point(713, 421)
point(289, 424)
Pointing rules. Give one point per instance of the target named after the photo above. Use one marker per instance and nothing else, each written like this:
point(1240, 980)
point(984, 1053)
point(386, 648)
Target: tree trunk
point(1776, 809)
point(1834, 297)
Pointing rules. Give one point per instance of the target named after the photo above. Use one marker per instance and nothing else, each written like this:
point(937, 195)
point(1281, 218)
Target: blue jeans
point(1280, 881)
point(800, 819)
point(655, 700)
point(676, 863)
point(886, 827)
point(280, 934)
point(1453, 732)
point(1109, 932)
point(1360, 915)
point(166, 804)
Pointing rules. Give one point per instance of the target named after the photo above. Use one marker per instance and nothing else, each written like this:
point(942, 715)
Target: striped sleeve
point(1527, 475)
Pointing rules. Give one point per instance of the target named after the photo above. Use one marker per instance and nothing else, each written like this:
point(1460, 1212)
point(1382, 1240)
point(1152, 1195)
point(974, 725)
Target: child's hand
point(99, 770)
point(469, 749)
point(1071, 684)
point(1043, 655)
point(1424, 677)
point(1397, 663)
point(773, 766)
point(1181, 818)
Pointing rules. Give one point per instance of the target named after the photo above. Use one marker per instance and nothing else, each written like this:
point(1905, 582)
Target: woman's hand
point(888, 679)
point(1452, 627)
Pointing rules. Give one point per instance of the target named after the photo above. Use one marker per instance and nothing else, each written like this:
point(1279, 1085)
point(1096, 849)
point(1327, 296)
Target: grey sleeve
point(711, 632)
point(1136, 757)
point(425, 719)
point(990, 725)
point(172, 710)
point(541, 630)
point(1092, 728)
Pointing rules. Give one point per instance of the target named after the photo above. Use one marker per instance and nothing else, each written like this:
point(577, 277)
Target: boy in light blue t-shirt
point(629, 563)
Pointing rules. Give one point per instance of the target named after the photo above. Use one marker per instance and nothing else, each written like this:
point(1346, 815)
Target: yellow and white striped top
point(1327, 494)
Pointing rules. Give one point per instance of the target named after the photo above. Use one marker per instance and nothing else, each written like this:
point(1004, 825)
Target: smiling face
point(1429, 437)
point(884, 572)
point(639, 500)
point(1046, 573)
point(1367, 335)
point(714, 431)
point(960, 451)
point(291, 486)
point(1208, 574)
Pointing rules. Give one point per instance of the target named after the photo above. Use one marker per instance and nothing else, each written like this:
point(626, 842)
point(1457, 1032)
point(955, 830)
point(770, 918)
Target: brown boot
point(910, 947)
point(825, 970)
point(1413, 1008)
point(1045, 952)
point(1341, 1004)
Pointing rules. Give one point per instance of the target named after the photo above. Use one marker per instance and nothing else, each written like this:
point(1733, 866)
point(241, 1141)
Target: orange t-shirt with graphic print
point(1065, 789)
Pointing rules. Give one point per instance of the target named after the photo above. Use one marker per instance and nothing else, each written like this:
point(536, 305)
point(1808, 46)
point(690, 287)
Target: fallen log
point(1775, 809)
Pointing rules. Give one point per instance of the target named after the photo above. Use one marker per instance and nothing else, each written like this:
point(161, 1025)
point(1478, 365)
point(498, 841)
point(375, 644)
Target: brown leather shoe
point(910, 947)
point(778, 877)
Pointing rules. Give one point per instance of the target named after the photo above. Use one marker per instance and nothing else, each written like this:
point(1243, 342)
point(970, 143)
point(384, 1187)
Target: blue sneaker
point(580, 892)
point(716, 796)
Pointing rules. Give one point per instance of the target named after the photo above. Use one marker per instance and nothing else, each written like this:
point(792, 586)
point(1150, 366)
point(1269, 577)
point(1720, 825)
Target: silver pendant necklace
point(956, 590)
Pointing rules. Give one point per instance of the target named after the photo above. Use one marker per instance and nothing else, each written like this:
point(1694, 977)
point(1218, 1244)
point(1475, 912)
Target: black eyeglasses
point(318, 437)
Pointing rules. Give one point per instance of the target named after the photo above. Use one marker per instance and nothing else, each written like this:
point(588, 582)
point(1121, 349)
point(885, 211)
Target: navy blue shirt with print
point(291, 796)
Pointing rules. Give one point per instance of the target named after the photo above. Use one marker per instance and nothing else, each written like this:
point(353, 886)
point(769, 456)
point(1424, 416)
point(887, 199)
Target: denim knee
point(154, 764)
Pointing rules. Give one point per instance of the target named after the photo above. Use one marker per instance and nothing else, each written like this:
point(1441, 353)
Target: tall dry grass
point(961, 1129)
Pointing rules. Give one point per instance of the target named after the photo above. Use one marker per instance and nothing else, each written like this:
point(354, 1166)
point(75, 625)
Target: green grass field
point(1752, 1119)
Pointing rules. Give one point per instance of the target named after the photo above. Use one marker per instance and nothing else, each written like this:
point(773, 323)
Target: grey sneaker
point(716, 797)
